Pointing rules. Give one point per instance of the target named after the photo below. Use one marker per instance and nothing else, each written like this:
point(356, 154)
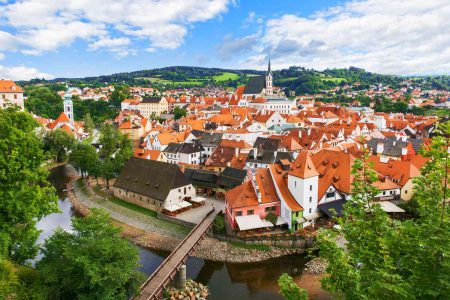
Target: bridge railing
point(174, 252)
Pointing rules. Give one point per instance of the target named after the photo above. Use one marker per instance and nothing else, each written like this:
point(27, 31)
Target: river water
point(256, 281)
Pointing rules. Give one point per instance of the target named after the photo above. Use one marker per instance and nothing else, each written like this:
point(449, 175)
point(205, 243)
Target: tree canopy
point(92, 262)
point(26, 196)
point(388, 259)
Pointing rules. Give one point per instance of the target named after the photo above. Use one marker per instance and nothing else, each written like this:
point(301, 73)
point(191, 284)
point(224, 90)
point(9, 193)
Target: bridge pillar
point(179, 281)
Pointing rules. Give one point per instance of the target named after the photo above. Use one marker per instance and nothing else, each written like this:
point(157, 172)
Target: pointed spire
point(268, 68)
point(303, 166)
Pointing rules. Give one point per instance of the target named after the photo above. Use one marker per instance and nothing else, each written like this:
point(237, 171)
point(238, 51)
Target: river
point(256, 281)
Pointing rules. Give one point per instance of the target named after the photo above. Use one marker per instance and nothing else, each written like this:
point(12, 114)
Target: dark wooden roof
point(255, 85)
point(150, 178)
point(151, 99)
point(267, 143)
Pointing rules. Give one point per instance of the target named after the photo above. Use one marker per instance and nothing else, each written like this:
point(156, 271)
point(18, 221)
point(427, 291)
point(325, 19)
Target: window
point(330, 195)
point(250, 212)
point(310, 210)
point(239, 213)
point(392, 192)
point(406, 191)
point(310, 187)
point(310, 199)
point(185, 190)
point(384, 192)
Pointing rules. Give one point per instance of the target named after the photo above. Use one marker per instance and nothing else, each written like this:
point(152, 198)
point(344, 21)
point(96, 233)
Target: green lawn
point(251, 247)
point(334, 79)
point(132, 206)
point(226, 76)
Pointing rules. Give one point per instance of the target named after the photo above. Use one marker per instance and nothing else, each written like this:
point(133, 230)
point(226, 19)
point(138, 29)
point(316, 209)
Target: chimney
point(255, 153)
point(404, 151)
point(300, 133)
point(380, 147)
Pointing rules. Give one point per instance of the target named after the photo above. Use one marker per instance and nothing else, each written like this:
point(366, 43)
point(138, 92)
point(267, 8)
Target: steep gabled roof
point(255, 85)
point(150, 178)
point(303, 166)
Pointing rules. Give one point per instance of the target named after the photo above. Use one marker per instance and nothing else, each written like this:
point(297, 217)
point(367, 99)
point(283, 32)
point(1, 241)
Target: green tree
point(88, 123)
point(289, 289)
point(116, 149)
point(58, 142)
point(120, 93)
point(26, 196)
point(366, 268)
point(83, 157)
point(44, 102)
point(425, 242)
point(179, 113)
point(93, 262)
point(384, 258)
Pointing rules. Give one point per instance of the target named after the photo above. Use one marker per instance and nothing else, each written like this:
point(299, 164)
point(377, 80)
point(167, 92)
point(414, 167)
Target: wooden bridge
point(154, 285)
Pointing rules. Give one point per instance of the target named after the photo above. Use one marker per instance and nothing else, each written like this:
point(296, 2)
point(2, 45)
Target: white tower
point(269, 87)
point(68, 106)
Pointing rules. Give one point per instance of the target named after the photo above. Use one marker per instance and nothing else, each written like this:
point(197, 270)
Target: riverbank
point(155, 234)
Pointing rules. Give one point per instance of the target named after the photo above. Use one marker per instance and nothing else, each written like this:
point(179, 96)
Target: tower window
point(310, 187)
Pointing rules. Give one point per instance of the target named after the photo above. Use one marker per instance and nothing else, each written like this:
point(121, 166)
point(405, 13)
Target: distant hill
point(297, 79)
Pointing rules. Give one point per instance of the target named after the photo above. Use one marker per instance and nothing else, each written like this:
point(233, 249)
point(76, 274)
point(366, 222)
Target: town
point(218, 149)
point(269, 163)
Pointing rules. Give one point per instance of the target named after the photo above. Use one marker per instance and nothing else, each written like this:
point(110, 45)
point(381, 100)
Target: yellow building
point(153, 106)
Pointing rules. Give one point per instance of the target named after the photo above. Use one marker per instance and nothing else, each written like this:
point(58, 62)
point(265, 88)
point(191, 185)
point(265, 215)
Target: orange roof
point(235, 144)
point(9, 86)
point(399, 171)
point(243, 195)
point(167, 138)
point(62, 118)
point(266, 186)
point(280, 180)
point(303, 166)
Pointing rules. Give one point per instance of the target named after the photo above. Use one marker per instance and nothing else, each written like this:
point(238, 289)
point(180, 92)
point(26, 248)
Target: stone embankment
point(193, 291)
point(155, 234)
point(315, 266)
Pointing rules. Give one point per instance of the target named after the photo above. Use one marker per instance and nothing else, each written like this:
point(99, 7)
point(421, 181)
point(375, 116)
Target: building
point(248, 204)
point(153, 184)
point(68, 106)
point(153, 106)
point(186, 153)
point(10, 94)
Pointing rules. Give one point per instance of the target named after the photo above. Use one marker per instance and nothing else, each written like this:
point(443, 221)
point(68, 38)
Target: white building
point(10, 94)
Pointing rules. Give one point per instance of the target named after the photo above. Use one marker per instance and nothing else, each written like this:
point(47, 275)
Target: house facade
point(10, 94)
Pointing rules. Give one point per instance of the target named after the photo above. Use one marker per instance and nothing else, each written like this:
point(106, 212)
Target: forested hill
point(298, 79)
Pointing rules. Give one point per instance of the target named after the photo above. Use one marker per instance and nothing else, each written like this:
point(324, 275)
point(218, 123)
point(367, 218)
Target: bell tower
point(269, 87)
point(68, 106)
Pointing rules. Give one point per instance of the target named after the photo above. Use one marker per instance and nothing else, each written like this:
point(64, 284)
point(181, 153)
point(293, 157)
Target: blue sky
point(77, 38)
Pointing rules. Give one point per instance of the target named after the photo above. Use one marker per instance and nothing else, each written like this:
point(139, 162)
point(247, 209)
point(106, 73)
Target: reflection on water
point(256, 281)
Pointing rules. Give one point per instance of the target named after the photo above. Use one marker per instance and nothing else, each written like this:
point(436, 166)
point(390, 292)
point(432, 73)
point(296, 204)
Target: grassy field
point(133, 207)
point(251, 247)
point(334, 79)
point(226, 76)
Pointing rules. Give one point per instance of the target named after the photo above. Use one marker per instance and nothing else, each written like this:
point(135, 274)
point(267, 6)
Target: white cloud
point(387, 36)
point(22, 73)
point(44, 25)
point(2, 56)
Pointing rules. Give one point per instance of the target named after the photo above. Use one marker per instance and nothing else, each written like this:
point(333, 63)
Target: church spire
point(268, 68)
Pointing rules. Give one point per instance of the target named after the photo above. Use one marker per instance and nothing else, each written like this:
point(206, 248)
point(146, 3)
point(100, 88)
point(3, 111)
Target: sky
point(79, 38)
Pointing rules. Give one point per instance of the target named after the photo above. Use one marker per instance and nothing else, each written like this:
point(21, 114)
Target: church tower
point(68, 106)
point(269, 87)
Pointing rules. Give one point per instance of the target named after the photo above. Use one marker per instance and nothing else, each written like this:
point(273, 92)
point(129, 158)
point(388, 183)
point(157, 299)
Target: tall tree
point(289, 289)
point(58, 142)
point(84, 157)
point(425, 242)
point(88, 123)
point(179, 112)
point(26, 196)
point(93, 262)
point(384, 258)
point(366, 268)
point(116, 149)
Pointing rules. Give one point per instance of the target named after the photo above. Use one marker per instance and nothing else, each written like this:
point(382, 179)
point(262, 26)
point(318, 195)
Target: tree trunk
point(107, 184)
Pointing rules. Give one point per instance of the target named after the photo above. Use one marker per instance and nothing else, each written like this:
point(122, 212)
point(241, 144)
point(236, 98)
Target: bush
point(219, 225)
